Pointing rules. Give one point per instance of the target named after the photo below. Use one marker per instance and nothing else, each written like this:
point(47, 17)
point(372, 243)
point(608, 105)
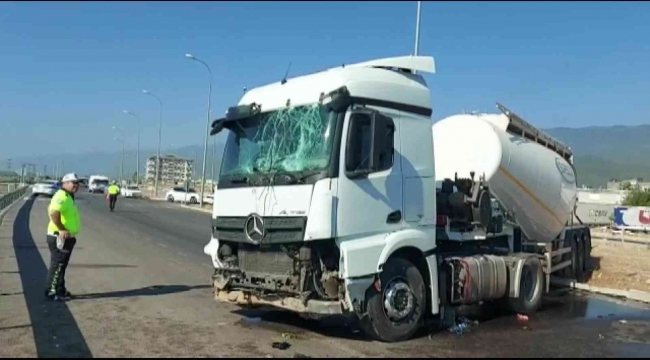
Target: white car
point(130, 191)
point(48, 188)
point(208, 199)
point(178, 194)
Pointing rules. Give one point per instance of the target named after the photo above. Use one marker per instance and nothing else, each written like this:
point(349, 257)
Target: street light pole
point(122, 161)
point(417, 30)
point(159, 141)
point(137, 159)
point(207, 126)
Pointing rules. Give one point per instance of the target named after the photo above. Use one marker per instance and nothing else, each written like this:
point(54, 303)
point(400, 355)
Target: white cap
point(70, 177)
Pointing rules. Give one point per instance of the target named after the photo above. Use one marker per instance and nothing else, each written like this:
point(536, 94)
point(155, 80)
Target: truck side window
point(370, 144)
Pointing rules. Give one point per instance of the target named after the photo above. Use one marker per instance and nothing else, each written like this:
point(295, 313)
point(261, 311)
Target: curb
point(635, 295)
point(208, 211)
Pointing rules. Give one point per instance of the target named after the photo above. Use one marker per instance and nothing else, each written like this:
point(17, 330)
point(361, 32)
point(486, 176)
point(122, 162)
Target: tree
point(637, 197)
point(625, 186)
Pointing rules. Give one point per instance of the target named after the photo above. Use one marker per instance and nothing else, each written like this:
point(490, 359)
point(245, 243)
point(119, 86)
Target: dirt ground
point(617, 265)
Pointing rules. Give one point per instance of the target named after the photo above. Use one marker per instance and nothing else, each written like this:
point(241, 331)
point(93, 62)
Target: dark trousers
point(112, 199)
point(58, 263)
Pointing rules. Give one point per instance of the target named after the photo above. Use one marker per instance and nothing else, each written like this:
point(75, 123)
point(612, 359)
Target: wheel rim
point(399, 300)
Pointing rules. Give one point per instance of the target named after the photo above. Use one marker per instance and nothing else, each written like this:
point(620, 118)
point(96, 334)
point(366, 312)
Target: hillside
point(603, 153)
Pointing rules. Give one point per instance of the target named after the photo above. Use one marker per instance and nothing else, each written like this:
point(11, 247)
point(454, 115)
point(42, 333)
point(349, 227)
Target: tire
point(580, 259)
point(531, 288)
point(398, 277)
point(170, 199)
point(584, 258)
point(193, 200)
point(587, 252)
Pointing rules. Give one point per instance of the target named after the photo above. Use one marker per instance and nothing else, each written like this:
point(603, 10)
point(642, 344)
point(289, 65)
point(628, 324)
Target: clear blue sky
point(67, 70)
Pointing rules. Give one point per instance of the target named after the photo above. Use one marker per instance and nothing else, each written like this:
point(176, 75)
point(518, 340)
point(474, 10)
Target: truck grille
point(279, 229)
point(265, 262)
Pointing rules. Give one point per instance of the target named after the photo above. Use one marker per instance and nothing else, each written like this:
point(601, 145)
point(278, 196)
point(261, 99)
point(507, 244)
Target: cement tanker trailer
point(527, 171)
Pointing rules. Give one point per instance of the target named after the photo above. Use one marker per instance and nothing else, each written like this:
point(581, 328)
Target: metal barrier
point(8, 199)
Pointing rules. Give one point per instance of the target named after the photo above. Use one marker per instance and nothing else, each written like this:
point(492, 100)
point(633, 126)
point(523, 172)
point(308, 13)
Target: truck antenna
point(284, 80)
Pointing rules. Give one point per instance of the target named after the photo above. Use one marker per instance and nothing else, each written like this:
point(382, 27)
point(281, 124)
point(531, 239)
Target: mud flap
point(355, 293)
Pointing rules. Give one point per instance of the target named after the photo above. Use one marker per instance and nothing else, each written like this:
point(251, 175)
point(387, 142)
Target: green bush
point(637, 197)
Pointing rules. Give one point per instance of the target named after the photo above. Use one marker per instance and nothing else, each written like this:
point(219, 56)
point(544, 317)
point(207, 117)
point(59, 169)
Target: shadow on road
point(145, 291)
point(101, 266)
point(56, 333)
point(288, 322)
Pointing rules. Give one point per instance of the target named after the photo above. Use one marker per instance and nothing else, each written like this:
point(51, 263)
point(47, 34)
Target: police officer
point(62, 230)
point(113, 191)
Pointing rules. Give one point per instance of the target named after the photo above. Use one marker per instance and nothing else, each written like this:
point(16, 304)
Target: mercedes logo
point(254, 228)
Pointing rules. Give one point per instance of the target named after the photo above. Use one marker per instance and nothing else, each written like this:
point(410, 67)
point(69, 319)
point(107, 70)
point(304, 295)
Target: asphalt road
point(143, 289)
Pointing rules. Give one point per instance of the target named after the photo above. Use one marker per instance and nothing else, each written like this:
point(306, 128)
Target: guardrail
point(8, 199)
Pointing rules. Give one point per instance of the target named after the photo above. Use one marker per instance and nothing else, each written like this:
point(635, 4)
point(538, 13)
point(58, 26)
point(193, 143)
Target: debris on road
point(462, 326)
point(281, 345)
point(289, 336)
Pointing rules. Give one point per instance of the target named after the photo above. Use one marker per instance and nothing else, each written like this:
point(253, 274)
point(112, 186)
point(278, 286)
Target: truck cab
point(327, 203)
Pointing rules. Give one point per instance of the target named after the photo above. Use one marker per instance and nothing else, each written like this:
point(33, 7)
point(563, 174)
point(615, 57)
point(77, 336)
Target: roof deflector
point(416, 63)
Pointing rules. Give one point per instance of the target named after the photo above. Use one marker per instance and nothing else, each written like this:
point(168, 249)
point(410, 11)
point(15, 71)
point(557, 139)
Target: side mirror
point(369, 143)
point(217, 126)
point(382, 139)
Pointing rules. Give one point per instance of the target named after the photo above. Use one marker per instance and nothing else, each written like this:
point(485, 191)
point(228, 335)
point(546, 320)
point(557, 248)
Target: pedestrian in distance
point(62, 231)
point(113, 192)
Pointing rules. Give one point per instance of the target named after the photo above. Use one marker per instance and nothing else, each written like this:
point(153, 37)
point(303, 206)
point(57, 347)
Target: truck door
point(370, 179)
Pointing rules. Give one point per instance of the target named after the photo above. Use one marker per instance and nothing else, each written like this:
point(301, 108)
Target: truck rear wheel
point(395, 313)
point(578, 257)
point(531, 288)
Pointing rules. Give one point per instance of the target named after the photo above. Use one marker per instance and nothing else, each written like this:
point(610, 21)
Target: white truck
point(97, 184)
point(338, 195)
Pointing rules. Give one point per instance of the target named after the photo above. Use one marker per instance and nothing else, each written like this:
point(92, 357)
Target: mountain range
point(600, 154)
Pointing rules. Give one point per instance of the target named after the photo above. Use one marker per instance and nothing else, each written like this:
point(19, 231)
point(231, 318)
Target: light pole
point(122, 161)
point(417, 30)
point(155, 186)
point(207, 126)
point(137, 159)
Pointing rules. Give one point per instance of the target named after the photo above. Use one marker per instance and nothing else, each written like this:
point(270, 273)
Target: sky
point(69, 69)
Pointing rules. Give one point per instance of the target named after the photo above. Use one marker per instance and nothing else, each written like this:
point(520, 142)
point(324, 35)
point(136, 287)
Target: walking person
point(113, 192)
point(62, 230)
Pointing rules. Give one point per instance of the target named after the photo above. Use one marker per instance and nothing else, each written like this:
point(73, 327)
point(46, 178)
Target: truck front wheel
point(395, 312)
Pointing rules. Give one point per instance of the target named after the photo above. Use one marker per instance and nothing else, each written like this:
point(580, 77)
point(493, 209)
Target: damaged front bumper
point(246, 298)
point(231, 285)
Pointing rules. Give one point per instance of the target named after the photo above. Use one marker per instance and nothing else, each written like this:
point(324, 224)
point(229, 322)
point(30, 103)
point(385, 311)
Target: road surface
point(143, 289)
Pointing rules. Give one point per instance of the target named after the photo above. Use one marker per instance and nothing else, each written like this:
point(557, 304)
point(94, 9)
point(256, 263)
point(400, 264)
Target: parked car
point(178, 194)
point(130, 191)
point(208, 199)
point(47, 187)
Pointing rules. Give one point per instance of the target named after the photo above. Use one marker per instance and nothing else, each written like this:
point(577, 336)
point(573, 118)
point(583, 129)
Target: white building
point(172, 169)
point(634, 183)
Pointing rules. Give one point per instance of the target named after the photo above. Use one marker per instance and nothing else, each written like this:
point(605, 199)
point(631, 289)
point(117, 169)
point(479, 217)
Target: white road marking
point(161, 245)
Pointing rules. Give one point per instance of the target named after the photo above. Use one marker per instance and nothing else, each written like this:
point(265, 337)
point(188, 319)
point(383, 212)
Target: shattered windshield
point(290, 140)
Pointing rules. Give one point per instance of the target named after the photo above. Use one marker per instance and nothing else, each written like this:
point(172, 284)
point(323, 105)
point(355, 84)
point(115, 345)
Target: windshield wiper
point(239, 180)
point(305, 174)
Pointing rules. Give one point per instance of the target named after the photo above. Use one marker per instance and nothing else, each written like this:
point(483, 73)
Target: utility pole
point(417, 30)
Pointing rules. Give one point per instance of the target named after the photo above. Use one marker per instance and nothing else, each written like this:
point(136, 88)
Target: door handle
point(394, 217)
